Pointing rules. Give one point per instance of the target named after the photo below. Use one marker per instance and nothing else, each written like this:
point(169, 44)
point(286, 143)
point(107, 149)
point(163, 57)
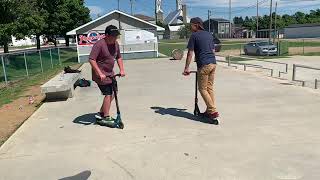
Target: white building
point(27, 41)
point(138, 38)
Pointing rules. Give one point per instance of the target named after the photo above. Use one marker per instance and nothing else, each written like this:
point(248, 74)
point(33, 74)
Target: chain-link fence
point(308, 47)
point(17, 66)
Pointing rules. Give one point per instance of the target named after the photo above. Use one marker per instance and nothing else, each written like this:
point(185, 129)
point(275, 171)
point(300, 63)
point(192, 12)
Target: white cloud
point(95, 10)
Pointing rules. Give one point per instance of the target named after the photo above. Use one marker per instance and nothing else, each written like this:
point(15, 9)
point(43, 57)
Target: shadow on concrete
point(178, 113)
point(87, 119)
point(81, 176)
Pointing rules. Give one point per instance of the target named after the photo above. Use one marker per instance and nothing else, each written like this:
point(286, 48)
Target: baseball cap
point(112, 30)
point(197, 20)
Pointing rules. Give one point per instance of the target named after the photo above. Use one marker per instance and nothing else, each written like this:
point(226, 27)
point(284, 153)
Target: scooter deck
point(110, 124)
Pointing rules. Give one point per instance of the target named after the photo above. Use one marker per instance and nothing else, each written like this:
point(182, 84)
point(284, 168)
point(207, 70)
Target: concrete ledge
point(61, 86)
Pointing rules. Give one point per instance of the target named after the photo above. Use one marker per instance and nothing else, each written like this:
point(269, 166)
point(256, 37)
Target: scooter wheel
point(121, 125)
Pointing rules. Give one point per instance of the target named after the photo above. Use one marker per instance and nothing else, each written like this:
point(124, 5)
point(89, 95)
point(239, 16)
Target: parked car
point(260, 48)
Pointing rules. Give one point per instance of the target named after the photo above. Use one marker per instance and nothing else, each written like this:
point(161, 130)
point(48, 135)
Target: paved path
point(268, 131)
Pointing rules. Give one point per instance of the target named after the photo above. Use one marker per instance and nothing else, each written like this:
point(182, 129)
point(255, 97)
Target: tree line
point(49, 18)
point(281, 20)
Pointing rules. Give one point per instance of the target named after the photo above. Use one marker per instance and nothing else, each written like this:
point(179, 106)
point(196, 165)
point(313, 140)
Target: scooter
point(117, 123)
point(196, 111)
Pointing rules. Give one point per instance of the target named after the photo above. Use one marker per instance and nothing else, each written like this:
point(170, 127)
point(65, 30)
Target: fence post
point(228, 60)
point(294, 73)
point(316, 83)
point(4, 70)
point(240, 49)
point(279, 44)
point(25, 63)
point(51, 59)
point(41, 65)
point(303, 46)
point(59, 56)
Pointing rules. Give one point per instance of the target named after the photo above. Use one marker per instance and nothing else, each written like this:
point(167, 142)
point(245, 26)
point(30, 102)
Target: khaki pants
point(205, 83)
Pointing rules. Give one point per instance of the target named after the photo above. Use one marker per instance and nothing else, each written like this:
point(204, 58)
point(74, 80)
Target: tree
point(238, 20)
point(8, 16)
point(70, 15)
point(300, 17)
point(185, 32)
point(249, 23)
point(32, 19)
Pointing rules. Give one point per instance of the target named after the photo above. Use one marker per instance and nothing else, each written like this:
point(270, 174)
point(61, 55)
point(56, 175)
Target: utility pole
point(257, 18)
point(155, 11)
point(119, 14)
point(270, 25)
point(230, 18)
point(275, 24)
point(209, 17)
point(131, 4)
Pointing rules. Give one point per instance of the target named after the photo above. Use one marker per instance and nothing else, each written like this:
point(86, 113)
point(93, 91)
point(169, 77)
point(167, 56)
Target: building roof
point(144, 17)
point(220, 20)
point(302, 25)
point(74, 31)
point(173, 17)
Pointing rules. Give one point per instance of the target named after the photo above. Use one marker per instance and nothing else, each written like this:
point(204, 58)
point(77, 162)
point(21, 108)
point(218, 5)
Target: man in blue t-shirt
point(202, 45)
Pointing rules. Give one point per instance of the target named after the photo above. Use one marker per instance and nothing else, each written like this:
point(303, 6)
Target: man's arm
point(97, 69)
point(190, 47)
point(188, 62)
point(121, 67)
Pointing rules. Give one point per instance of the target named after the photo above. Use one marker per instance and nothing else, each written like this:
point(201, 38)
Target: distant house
point(218, 26)
point(302, 31)
point(26, 41)
point(264, 33)
point(241, 32)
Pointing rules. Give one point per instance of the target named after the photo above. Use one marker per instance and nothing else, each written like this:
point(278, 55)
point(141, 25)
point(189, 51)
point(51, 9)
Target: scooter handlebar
point(116, 75)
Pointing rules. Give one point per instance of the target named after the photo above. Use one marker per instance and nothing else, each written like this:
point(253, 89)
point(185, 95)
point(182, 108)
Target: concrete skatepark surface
point(268, 131)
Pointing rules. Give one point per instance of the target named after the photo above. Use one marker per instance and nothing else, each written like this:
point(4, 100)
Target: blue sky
point(219, 8)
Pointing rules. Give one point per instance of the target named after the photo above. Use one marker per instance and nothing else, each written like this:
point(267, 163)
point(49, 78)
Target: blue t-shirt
point(202, 44)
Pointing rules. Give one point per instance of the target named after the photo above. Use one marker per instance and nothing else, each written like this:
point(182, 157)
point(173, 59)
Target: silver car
point(260, 48)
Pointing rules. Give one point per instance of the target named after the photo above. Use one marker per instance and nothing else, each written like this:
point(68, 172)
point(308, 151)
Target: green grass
point(167, 49)
point(22, 83)
point(173, 40)
point(232, 42)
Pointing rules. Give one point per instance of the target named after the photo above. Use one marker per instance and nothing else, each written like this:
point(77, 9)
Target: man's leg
point(108, 97)
point(203, 74)
point(210, 86)
point(106, 105)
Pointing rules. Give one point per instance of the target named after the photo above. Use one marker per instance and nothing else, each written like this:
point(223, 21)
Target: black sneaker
point(99, 115)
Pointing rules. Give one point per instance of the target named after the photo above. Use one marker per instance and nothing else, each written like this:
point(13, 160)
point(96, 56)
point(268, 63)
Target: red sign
point(90, 38)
